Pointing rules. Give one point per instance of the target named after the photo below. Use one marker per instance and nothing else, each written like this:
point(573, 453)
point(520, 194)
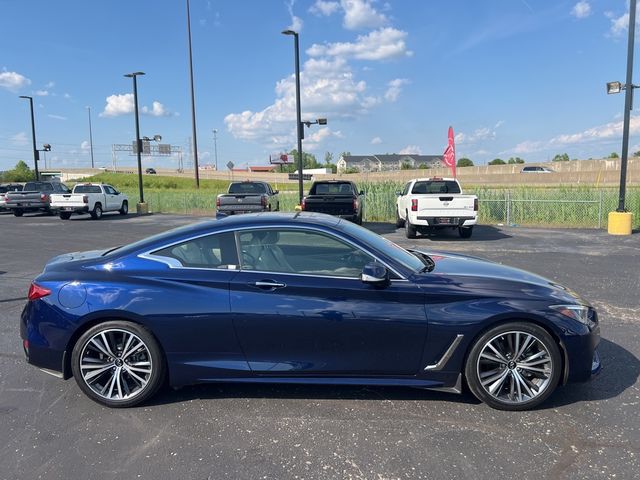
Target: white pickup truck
point(434, 203)
point(92, 198)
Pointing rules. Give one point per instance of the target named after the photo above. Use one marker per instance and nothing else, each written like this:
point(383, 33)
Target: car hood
point(474, 272)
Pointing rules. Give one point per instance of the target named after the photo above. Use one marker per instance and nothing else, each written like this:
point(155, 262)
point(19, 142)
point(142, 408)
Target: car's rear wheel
point(18, 213)
point(65, 215)
point(409, 230)
point(118, 364)
point(96, 213)
point(125, 208)
point(514, 366)
point(399, 221)
point(465, 232)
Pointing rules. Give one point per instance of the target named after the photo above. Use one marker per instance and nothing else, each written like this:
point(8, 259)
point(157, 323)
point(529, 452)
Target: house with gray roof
point(387, 162)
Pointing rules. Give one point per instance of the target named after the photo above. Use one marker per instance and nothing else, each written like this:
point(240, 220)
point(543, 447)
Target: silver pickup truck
point(34, 197)
point(248, 197)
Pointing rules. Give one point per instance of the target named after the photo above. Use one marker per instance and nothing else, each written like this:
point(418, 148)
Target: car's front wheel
point(514, 366)
point(118, 364)
point(124, 209)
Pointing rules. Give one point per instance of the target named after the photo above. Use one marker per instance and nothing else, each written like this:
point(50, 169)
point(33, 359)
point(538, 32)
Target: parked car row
point(56, 198)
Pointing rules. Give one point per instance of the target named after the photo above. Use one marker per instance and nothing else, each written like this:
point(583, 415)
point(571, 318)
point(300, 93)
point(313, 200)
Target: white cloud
point(67, 96)
point(296, 22)
point(479, 134)
point(122, 104)
point(57, 117)
point(395, 87)
point(157, 110)
point(376, 141)
point(85, 146)
point(41, 93)
point(381, 44)
point(581, 9)
point(411, 150)
point(324, 8)
point(328, 89)
point(618, 24)
point(359, 14)
point(20, 139)
point(13, 81)
point(50, 85)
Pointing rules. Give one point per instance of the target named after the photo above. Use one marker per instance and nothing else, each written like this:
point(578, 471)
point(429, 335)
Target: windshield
point(390, 249)
point(247, 187)
point(436, 186)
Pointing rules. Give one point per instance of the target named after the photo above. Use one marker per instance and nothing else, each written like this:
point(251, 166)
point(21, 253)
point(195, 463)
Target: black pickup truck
point(335, 197)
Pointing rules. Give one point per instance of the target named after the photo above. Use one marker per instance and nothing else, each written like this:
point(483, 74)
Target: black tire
point(48, 211)
point(409, 230)
point(465, 232)
point(96, 213)
point(511, 393)
point(125, 208)
point(18, 213)
point(65, 215)
point(125, 390)
point(399, 221)
point(278, 207)
point(358, 219)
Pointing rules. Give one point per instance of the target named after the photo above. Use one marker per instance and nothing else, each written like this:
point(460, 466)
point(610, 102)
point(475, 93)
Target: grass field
point(579, 206)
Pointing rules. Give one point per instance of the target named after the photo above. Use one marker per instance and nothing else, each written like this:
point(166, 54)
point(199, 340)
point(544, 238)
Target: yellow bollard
point(620, 223)
point(298, 208)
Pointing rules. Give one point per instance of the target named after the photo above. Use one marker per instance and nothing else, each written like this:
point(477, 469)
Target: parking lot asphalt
point(49, 429)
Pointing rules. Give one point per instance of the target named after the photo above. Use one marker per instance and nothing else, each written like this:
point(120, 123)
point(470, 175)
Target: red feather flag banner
point(450, 153)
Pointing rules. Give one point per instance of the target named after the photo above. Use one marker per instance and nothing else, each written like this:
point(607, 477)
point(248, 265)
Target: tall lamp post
point(299, 130)
point(620, 221)
point(193, 101)
point(215, 146)
point(33, 137)
point(141, 207)
point(90, 137)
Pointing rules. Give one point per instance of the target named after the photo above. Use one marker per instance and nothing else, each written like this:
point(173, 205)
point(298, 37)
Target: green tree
point(406, 166)
point(345, 154)
point(636, 154)
point(328, 158)
point(424, 166)
point(464, 162)
point(20, 173)
point(497, 161)
point(614, 155)
point(352, 170)
point(561, 157)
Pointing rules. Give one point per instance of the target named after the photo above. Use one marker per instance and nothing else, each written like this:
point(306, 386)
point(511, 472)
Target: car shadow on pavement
point(620, 371)
point(104, 218)
point(481, 233)
point(311, 392)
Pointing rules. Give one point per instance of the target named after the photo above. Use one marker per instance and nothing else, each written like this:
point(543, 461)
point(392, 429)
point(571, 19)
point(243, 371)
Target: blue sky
point(513, 77)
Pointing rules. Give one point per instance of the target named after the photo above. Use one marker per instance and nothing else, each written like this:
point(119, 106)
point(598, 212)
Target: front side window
point(213, 251)
point(300, 252)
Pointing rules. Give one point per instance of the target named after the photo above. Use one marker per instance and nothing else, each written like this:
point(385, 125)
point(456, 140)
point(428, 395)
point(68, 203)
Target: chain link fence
point(577, 207)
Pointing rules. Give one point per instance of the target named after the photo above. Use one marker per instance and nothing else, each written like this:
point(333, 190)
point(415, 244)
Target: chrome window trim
point(148, 255)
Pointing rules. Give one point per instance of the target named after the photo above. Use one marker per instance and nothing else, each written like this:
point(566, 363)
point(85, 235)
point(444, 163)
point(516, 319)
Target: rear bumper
point(443, 221)
point(28, 206)
point(238, 209)
point(71, 208)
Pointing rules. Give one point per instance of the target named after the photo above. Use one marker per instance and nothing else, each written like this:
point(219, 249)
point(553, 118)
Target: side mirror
point(375, 274)
point(361, 192)
point(275, 192)
point(398, 193)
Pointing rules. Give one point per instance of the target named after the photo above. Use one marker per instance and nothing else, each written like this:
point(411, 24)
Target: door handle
point(268, 285)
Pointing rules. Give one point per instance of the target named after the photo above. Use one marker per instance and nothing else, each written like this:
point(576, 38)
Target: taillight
point(36, 291)
point(414, 204)
point(44, 197)
point(475, 205)
point(355, 204)
point(263, 201)
point(85, 199)
point(217, 201)
point(304, 201)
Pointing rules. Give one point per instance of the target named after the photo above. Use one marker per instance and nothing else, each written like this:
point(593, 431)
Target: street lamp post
point(33, 137)
point(193, 101)
point(620, 221)
point(141, 207)
point(299, 128)
point(215, 146)
point(90, 137)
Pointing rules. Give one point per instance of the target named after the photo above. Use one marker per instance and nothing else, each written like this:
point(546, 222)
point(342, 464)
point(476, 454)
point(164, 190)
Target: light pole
point(299, 129)
point(215, 146)
point(33, 137)
point(193, 101)
point(90, 137)
point(141, 207)
point(620, 221)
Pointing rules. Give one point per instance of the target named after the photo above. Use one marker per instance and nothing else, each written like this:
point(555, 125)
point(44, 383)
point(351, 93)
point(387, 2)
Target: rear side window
point(38, 187)
point(87, 189)
point(331, 189)
point(212, 251)
point(435, 186)
point(247, 188)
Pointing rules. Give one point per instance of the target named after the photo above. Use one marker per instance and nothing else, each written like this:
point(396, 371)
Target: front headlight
point(576, 312)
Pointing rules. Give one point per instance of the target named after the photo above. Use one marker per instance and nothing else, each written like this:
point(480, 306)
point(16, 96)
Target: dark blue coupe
point(302, 298)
